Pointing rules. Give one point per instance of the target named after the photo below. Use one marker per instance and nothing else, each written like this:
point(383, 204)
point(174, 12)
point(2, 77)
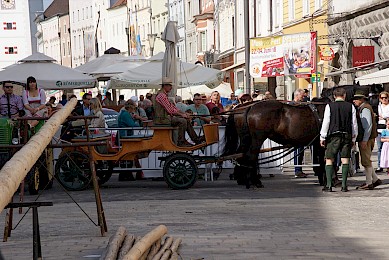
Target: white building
point(17, 33)
point(192, 8)
point(83, 18)
point(177, 13)
point(116, 27)
point(159, 19)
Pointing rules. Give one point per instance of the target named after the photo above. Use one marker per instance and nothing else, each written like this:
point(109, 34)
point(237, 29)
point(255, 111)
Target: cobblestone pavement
point(288, 219)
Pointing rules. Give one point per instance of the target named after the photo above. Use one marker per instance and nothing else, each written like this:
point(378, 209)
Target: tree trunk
point(14, 171)
point(150, 238)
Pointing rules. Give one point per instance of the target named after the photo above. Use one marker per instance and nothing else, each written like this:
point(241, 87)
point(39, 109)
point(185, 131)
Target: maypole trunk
point(14, 171)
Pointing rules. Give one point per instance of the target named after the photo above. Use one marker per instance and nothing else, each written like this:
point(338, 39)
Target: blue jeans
point(298, 159)
point(379, 146)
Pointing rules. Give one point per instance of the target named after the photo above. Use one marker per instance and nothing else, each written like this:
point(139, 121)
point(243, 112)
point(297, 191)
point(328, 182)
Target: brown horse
point(290, 125)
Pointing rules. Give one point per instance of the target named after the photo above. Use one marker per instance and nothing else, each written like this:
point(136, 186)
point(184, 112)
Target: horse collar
point(316, 114)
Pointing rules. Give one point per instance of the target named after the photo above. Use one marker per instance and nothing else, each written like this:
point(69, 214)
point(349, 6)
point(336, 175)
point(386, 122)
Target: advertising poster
point(292, 54)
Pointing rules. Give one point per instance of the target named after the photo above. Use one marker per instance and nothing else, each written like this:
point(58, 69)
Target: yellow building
point(307, 16)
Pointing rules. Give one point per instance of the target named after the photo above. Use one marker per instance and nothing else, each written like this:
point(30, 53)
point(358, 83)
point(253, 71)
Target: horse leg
point(252, 176)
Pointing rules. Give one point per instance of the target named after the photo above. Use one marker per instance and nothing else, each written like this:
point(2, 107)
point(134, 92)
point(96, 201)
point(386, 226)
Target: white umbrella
point(187, 93)
point(119, 67)
point(149, 75)
point(169, 65)
point(102, 62)
point(48, 74)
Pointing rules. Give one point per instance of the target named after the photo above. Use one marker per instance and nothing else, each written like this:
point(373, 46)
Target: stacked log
point(153, 246)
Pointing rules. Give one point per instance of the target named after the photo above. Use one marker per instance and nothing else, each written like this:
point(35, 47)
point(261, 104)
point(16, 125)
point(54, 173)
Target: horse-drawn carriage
point(180, 169)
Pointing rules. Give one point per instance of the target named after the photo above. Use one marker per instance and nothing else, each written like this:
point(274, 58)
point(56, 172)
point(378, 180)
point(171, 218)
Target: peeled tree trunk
point(14, 171)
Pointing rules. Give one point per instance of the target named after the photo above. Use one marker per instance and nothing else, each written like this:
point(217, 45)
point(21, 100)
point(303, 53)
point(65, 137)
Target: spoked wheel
point(73, 171)
point(180, 171)
point(33, 181)
point(104, 171)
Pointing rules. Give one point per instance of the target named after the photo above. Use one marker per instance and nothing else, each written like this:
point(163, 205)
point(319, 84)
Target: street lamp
point(151, 37)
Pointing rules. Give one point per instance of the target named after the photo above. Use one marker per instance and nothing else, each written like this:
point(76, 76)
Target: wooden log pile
point(153, 246)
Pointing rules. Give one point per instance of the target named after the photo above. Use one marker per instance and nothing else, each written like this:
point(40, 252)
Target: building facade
point(356, 24)
point(177, 13)
point(17, 31)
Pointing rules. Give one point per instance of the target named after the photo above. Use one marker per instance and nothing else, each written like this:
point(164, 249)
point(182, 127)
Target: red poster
point(363, 55)
point(273, 68)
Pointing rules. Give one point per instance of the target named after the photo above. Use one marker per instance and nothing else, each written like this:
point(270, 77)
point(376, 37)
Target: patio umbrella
point(48, 74)
point(149, 76)
point(169, 65)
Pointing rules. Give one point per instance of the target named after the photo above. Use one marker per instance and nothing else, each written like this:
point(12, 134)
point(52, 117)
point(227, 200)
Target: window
point(75, 43)
point(318, 4)
point(82, 13)
point(203, 41)
point(90, 11)
point(11, 50)
point(64, 49)
point(78, 15)
point(79, 42)
point(7, 26)
point(291, 10)
point(69, 51)
point(305, 7)
point(73, 17)
point(86, 13)
point(113, 29)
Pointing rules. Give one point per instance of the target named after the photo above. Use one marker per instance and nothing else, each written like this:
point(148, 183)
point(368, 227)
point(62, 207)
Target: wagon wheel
point(33, 181)
point(73, 171)
point(104, 171)
point(180, 171)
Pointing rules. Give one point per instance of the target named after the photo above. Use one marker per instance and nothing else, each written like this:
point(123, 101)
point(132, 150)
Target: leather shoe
point(377, 183)
point(367, 187)
point(345, 189)
point(379, 170)
point(327, 189)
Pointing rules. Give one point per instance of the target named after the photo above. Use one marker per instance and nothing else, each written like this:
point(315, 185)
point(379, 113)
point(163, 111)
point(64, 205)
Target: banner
point(283, 55)
point(363, 55)
point(89, 45)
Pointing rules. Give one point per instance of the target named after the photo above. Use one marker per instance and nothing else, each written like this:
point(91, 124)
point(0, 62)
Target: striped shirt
point(163, 100)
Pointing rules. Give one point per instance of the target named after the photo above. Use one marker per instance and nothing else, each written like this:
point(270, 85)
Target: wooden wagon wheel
point(180, 171)
point(73, 170)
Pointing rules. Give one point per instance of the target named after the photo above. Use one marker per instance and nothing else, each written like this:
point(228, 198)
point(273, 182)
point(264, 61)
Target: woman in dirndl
point(34, 100)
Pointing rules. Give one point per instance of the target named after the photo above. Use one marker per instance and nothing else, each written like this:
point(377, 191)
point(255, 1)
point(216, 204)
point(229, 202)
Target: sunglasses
point(383, 97)
point(8, 86)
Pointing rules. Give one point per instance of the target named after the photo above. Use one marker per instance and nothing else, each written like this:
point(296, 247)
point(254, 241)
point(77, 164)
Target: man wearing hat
point(166, 113)
point(338, 133)
point(366, 146)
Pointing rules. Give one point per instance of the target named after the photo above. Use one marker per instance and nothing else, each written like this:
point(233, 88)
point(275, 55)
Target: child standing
point(385, 147)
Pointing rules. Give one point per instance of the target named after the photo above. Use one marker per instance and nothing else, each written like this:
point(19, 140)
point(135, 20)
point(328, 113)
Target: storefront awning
point(378, 77)
point(233, 66)
point(369, 66)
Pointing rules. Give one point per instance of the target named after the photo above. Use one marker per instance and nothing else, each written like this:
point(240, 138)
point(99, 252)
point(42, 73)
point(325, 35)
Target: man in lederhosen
point(338, 134)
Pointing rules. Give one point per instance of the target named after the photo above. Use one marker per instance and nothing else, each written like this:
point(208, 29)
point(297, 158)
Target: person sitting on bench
point(126, 118)
point(166, 113)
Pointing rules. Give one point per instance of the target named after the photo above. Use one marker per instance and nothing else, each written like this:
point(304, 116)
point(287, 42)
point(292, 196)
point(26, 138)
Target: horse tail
point(231, 137)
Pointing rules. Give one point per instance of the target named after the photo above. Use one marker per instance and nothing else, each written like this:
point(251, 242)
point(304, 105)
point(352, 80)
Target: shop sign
point(326, 53)
point(363, 55)
point(290, 54)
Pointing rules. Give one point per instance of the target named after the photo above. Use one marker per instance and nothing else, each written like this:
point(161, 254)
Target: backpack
point(361, 132)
